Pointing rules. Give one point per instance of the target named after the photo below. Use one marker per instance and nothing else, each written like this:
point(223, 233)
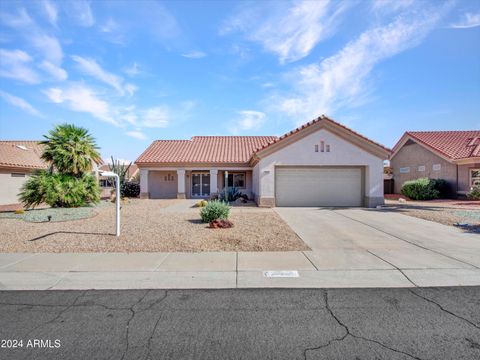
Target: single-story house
point(321, 163)
point(450, 155)
point(18, 160)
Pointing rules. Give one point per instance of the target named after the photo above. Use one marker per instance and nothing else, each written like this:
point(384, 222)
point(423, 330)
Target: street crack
point(349, 333)
point(133, 312)
point(444, 310)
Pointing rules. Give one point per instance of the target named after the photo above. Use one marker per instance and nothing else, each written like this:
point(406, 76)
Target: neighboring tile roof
point(21, 154)
point(314, 121)
point(132, 170)
point(454, 145)
point(204, 149)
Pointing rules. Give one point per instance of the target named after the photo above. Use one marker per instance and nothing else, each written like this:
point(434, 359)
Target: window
point(328, 148)
point(421, 168)
point(404, 170)
point(316, 148)
point(436, 167)
point(237, 180)
point(475, 177)
point(106, 183)
point(18, 175)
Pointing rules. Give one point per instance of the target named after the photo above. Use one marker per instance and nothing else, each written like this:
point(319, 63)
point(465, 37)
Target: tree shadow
point(69, 232)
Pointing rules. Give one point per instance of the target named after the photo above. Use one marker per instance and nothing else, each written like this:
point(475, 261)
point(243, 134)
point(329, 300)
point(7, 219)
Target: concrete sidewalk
point(328, 268)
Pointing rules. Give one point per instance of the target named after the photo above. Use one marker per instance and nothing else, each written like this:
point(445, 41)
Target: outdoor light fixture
point(117, 196)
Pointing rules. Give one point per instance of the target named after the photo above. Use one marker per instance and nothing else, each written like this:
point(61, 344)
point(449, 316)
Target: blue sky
point(133, 72)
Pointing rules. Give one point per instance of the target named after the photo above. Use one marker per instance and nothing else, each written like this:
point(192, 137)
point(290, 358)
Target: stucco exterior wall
point(10, 186)
point(302, 152)
point(414, 155)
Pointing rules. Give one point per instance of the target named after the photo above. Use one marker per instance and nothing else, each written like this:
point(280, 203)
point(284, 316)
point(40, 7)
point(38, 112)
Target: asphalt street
point(416, 323)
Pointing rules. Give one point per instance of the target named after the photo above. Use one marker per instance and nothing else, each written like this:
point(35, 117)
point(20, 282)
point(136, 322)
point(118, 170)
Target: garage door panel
point(296, 186)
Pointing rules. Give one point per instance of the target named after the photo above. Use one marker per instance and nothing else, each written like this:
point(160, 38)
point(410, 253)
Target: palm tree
point(70, 150)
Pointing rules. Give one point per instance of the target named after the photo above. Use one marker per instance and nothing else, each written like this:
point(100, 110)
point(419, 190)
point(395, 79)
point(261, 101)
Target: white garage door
point(320, 186)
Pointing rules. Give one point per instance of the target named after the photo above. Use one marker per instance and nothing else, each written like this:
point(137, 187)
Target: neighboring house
point(321, 163)
point(450, 155)
point(18, 160)
point(106, 183)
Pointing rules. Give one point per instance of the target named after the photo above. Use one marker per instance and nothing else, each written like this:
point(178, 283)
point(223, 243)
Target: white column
point(213, 181)
point(181, 183)
point(144, 194)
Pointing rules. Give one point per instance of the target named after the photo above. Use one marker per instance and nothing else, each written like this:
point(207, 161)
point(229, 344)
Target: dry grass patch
point(149, 226)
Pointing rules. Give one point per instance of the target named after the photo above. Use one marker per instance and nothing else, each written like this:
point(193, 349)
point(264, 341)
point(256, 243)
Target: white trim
point(206, 168)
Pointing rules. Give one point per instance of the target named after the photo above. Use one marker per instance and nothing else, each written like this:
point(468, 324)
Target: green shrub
point(130, 189)
point(421, 189)
point(474, 193)
point(214, 210)
point(59, 190)
point(442, 186)
point(232, 194)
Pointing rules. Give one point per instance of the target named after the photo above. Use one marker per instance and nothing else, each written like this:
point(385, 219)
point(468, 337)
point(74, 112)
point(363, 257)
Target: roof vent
point(21, 147)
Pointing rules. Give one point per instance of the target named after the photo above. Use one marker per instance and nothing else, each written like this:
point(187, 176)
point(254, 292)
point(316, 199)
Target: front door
point(200, 184)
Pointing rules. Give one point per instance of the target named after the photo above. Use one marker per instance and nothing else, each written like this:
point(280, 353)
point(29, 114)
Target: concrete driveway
point(354, 239)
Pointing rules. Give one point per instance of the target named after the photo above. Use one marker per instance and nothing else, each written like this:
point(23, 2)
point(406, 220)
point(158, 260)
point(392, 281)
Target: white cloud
point(248, 120)
point(15, 64)
point(91, 67)
point(82, 13)
point(56, 72)
point(49, 46)
point(156, 117)
point(468, 20)
point(194, 54)
point(289, 30)
point(51, 11)
point(133, 70)
point(20, 103)
point(341, 80)
point(78, 97)
point(109, 26)
point(21, 20)
point(137, 134)
point(390, 6)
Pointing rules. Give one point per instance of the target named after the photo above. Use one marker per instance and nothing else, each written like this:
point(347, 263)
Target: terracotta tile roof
point(454, 145)
point(314, 121)
point(204, 149)
point(21, 154)
point(132, 170)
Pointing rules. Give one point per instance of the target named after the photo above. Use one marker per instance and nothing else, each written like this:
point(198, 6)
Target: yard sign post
point(117, 197)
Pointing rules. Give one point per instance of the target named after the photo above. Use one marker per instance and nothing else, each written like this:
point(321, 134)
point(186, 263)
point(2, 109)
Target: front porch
point(193, 183)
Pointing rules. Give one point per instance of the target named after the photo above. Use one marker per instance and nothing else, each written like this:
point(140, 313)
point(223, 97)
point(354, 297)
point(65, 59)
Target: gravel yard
point(149, 226)
point(465, 213)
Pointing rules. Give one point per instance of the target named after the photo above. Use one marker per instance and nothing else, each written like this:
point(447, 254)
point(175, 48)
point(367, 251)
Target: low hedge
point(425, 189)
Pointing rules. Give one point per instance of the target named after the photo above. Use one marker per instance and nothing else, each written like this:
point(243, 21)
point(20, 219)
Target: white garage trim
point(319, 186)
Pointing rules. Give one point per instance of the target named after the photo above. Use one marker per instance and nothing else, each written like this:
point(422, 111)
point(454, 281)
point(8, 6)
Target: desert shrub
point(474, 193)
point(221, 224)
point(201, 203)
point(59, 190)
point(214, 210)
point(130, 189)
point(232, 194)
point(421, 189)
